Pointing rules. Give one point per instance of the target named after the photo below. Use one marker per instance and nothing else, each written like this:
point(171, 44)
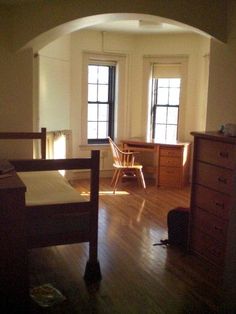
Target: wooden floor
point(137, 276)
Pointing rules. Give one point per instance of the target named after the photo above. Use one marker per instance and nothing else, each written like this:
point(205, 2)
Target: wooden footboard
point(65, 223)
point(25, 227)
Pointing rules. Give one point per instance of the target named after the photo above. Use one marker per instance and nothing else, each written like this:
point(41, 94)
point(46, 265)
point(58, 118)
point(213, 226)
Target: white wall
point(33, 25)
point(221, 98)
point(62, 100)
point(54, 85)
point(135, 47)
point(192, 47)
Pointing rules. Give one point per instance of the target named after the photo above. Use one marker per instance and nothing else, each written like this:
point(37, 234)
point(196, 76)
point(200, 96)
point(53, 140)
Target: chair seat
point(128, 167)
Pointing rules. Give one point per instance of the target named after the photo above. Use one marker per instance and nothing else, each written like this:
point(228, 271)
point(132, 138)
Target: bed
point(56, 214)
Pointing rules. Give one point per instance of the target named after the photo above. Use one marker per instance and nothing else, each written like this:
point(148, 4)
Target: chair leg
point(141, 179)
point(114, 177)
point(137, 174)
point(118, 176)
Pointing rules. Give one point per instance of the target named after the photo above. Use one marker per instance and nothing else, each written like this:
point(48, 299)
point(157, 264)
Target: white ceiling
point(138, 26)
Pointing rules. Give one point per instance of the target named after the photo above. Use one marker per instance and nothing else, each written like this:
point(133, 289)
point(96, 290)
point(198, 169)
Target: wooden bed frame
point(86, 211)
point(28, 136)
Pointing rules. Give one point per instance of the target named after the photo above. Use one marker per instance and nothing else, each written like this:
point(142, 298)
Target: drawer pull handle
point(221, 205)
point(222, 180)
point(224, 154)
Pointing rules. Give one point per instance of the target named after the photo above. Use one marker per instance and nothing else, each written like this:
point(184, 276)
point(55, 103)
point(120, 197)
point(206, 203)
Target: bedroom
point(212, 120)
point(62, 82)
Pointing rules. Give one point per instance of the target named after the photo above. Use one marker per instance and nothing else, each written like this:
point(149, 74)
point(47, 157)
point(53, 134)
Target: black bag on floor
point(177, 223)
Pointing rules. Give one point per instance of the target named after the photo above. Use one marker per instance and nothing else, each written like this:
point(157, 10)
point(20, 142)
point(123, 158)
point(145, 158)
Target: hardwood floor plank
point(137, 276)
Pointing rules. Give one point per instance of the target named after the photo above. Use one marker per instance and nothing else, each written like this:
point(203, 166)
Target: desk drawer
point(218, 153)
point(170, 161)
point(217, 178)
point(170, 176)
point(171, 152)
point(214, 202)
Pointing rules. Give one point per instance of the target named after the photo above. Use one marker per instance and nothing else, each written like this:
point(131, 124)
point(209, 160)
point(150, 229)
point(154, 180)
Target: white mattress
point(48, 187)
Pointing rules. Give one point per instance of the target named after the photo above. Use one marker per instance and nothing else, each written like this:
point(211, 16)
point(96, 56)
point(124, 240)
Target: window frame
point(110, 101)
point(121, 112)
point(155, 106)
point(148, 62)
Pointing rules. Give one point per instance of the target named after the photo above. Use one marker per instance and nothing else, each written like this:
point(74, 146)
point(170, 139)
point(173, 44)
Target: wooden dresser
point(213, 204)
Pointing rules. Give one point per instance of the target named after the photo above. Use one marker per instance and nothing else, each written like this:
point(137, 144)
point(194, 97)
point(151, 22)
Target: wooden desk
point(170, 161)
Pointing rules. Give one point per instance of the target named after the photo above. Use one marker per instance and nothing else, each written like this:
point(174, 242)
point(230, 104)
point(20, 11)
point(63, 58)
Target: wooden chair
point(125, 166)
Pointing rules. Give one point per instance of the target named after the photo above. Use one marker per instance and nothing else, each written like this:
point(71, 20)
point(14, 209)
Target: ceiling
point(140, 26)
point(146, 25)
point(12, 2)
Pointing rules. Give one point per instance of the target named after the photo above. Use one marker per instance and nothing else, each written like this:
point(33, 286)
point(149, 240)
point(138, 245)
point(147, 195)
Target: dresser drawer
point(170, 161)
point(209, 224)
point(217, 178)
point(218, 153)
point(170, 176)
point(207, 247)
point(171, 152)
point(214, 202)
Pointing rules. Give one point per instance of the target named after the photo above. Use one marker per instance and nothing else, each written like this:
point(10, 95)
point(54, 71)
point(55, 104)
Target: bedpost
point(92, 270)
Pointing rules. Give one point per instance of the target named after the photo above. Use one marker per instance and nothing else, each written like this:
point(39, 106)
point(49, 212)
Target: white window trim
point(121, 108)
point(148, 62)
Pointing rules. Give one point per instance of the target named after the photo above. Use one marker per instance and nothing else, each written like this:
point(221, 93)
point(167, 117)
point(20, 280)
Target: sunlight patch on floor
point(107, 193)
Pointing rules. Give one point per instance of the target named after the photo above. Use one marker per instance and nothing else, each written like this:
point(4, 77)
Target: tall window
point(101, 101)
point(166, 85)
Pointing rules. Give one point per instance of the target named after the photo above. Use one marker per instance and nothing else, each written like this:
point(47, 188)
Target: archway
point(82, 23)
point(66, 29)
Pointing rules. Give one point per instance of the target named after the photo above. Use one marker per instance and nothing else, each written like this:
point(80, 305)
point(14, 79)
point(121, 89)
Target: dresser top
point(214, 135)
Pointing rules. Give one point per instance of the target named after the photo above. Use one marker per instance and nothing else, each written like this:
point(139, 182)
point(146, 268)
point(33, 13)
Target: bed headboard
point(28, 136)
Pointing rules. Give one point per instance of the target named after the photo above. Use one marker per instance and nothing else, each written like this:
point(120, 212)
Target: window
point(166, 85)
point(101, 102)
